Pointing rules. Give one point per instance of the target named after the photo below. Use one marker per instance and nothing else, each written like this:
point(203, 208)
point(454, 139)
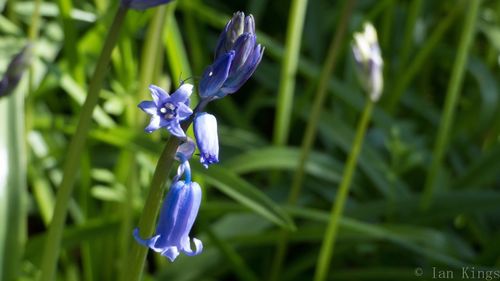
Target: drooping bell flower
point(15, 70)
point(236, 57)
point(167, 111)
point(205, 132)
point(177, 216)
point(369, 63)
point(143, 4)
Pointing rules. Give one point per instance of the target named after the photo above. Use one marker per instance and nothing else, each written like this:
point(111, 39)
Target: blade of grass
point(12, 185)
point(310, 133)
point(238, 264)
point(413, 69)
point(452, 96)
point(288, 71)
point(77, 144)
point(70, 52)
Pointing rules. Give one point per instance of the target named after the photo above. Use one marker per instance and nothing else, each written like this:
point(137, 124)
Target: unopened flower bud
point(369, 61)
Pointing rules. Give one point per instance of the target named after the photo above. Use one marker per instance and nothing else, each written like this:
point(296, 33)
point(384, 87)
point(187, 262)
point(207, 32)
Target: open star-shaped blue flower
point(167, 111)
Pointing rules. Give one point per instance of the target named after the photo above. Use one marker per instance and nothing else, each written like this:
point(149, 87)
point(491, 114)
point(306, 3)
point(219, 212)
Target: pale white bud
point(369, 61)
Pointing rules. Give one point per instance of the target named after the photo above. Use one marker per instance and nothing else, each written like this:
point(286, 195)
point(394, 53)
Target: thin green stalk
point(450, 103)
point(288, 70)
point(387, 24)
point(152, 47)
point(35, 22)
point(32, 38)
point(76, 146)
point(193, 38)
point(420, 58)
point(414, 11)
point(310, 133)
point(71, 53)
point(326, 251)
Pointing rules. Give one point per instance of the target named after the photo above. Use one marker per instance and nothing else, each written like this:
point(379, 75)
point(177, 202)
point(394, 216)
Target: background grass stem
point(288, 70)
point(311, 128)
point(76, 146)
point(452, 97)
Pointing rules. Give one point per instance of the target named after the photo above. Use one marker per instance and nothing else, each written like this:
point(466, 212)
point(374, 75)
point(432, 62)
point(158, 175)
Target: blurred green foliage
point(384, 234)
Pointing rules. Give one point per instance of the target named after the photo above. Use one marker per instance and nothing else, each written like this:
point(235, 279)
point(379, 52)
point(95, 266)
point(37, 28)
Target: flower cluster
point(236, 57)
point(369, 61)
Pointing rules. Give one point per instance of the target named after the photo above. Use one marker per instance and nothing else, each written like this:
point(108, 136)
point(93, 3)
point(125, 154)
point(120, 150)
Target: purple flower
point(177, 216)
point(15, 70)
point(205, 131)
point(215, 75)
point(143, 4)
point(167, 111)
point(236, 57)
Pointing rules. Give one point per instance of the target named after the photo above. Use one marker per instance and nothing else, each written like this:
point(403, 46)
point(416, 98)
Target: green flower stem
point(288, 71)
point(76, 146)
point(450, 103)
point(328, 244)
point(310, 133)
point(152, 205)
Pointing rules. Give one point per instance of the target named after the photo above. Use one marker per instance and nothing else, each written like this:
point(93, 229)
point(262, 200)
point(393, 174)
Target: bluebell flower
point(235, 27)
point(215, 75)
point(236, 57)
point(143, 4)
point(205, 131)
point(15, 70)
point(369, 62)
point(177, 217)
point(167, 111)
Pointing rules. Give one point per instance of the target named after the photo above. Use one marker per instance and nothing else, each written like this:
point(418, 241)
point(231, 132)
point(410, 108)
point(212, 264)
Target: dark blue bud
point(215, 75)
point(242, 72)
point(15, 71)
point(238, 38)
point(237, 26)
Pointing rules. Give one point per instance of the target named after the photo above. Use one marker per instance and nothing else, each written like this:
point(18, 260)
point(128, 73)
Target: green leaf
point(284, 158)
point(245, 193)
point(12, 185)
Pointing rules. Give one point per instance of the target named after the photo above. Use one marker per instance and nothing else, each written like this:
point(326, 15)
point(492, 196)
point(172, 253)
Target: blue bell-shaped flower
point(205, 132)
point(177, 217)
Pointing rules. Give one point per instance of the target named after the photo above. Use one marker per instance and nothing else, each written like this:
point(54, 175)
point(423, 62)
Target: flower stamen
point(169, 111)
